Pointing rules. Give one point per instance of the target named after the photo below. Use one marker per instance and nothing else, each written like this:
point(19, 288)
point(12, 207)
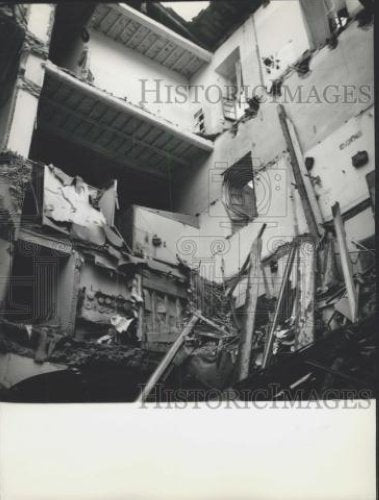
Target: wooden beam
point(135, 35)
point(98, 23)
point(164, 364)
point(308, 211)
point(268, 348)
point(112, 26)
point(347, 267)
point(164, 32)
point(105, 127)
point(122, 31)
point(246, 341)
point(212, 324)
point(179, 60)
point(53, 72)
point(152, 46)
point(306, 289)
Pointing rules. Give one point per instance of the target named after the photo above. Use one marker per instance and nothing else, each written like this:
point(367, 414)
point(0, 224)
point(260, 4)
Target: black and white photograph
point(187, 206)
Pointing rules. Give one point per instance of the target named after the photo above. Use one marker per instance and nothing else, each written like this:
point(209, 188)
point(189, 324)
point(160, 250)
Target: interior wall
point(317, 112)
point(339, 179)
point(350, 64)
point(172, 234)
point(119, 70)
point(281, 33)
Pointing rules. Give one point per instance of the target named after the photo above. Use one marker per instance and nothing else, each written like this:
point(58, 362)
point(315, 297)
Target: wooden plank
point(153, 296)
point(140, 329)
point(268, 348)
point(214, 325)
point(346, 264)
point(308, 211)
point(306, 287)
point(246, 341)
point(164, 364)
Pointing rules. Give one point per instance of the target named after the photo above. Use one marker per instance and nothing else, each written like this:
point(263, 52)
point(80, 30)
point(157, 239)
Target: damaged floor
point(206, 363)
point(114, 325)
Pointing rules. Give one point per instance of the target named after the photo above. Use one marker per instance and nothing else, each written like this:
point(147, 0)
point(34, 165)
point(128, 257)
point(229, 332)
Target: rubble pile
point(341, 365)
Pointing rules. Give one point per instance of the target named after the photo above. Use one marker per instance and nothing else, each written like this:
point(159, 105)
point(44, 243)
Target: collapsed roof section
point(211, 26)
point(80, 112)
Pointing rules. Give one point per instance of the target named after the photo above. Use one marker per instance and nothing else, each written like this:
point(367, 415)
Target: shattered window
point(238, 192)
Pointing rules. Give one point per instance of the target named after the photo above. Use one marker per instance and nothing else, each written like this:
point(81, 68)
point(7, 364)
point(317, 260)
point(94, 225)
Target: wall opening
point(238, 193)
point(233, 97)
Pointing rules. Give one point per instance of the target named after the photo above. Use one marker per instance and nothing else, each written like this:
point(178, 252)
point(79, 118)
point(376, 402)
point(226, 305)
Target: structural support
point(128, 109)
point(164, 364)
point(30, 76)
point(308, 210)
point(270, 339)
point(347, 267)
point(255, 273)
point(306, 289)
point(212, 324)
point(17, 127)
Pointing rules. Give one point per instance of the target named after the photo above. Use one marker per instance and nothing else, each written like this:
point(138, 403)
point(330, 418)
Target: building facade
point(135, 144)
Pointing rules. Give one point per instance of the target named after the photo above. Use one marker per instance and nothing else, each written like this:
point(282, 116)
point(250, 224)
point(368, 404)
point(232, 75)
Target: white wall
point(279, 27)
point(172, 233)
point(282, 33)
point(340, 180)
point(276, 209)
point(332, 119)
point(118, 70)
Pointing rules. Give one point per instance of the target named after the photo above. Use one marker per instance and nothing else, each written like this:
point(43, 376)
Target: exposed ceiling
point(83, 114)
point(133, 29)
point(211, 26)
point(214, 24)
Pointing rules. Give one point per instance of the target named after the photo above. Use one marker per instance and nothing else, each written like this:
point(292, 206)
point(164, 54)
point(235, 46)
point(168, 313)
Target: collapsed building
point(161, 176)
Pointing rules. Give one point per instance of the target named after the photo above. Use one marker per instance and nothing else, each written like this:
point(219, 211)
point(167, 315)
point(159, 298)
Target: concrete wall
point(19, 119)
point(339, 179)
point(278, 30)
point(119, 70)
point(318, 113)
point(281, 32)
point(172, 233)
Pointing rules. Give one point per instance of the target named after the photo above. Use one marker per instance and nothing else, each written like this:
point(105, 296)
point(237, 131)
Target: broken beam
point(104, 127)
point(244, 354)
point(308, 211)
point(270, 339)
point(164, 364)
point(212, 324)
point(347, 267)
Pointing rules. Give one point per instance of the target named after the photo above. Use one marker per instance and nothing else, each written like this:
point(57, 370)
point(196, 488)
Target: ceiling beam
point(120, 158)
point(110, 128)
point(115, 103)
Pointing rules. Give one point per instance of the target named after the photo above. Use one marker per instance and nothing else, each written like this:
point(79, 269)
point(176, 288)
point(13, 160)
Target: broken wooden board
point(346, 264)
point(255, 272)
point(305, 319)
